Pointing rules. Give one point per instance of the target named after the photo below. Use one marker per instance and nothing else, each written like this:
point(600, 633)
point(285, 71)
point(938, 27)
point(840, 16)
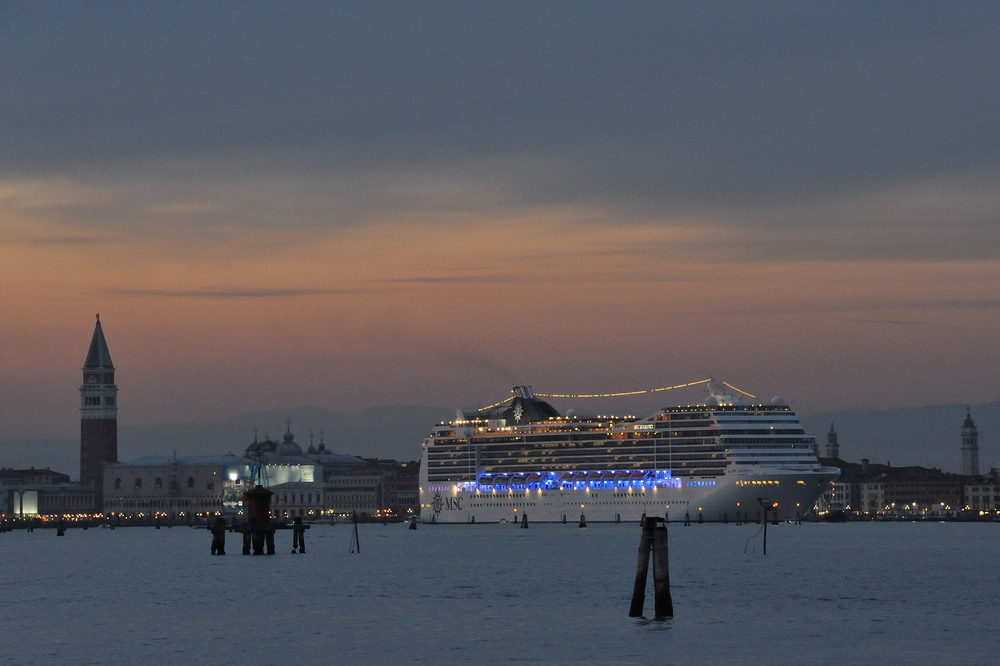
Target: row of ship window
point(782, 414)
point(645, 453)
point(677, 468)
point(570, 440)
point(623, 447)
point(544, 466)
point(469, 473)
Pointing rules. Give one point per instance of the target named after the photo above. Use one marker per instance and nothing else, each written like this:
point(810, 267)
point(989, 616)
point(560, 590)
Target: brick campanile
point(98, 416)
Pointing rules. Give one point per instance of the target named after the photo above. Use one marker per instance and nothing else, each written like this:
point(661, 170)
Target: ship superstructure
point(721, 460)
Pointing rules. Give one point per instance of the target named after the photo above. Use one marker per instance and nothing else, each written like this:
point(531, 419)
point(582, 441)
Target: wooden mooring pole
point(765, 530)
point(653, 543)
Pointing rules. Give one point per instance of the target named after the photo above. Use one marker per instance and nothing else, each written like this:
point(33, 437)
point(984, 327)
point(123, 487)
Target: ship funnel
point(524, 392)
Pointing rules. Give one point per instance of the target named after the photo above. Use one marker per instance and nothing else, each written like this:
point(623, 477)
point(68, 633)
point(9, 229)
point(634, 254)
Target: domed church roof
point(288, 447)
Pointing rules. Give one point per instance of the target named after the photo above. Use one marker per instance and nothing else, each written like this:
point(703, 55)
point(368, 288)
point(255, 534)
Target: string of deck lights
point(749, 395)
point(495, 404)
point(625, 393)
point(619, 394)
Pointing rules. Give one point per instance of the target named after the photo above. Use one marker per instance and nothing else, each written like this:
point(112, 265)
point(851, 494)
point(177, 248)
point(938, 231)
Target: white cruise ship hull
point(738, 496)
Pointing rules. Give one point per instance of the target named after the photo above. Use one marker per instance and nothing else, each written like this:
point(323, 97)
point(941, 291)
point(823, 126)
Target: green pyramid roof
point(98, 356)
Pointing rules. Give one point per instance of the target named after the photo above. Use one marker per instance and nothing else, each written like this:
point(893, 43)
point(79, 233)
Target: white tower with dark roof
point(970, 446)
point(98, 416)
point(832, 446)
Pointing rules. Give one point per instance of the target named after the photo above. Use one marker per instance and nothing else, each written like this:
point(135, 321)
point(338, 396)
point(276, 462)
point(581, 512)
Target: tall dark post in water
point(355, 541)
point(764, 502)
point(259, 520)
point(298, 536)
point(219, 536)
point(765, 530)
point(653, 541)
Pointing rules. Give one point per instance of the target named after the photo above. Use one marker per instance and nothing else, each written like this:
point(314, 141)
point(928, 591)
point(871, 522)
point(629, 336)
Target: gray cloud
point(644, 109)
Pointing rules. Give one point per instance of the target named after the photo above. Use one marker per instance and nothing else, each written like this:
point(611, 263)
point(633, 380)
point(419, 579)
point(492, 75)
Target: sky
point(354, 204)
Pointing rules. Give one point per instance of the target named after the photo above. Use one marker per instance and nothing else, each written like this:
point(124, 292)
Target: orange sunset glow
point(380, 217)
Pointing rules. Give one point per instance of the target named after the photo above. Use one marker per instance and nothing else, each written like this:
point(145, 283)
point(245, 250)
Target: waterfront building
point(379, 489)
point(317, 485)
point(181, 488)
point(982, 498)
point(922, 492)
point(26, 493)
point(189, 488)
point(401, 490)
point(356, 493)
point(98, 416)
point(299, 500)
point(970, 446)
point(868, 490)
point(872, 497)
point(981, 495)
point(842, 495)
point(372, 488)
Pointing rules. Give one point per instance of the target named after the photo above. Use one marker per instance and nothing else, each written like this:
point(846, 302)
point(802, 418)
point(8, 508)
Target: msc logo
point(446, 503)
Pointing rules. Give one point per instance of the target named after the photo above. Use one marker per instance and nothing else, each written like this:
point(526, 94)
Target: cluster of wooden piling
point(653, 544)
point(258, 531)
point(258, 536)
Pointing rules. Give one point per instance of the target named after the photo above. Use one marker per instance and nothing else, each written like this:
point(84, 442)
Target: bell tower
point(98, 416)
point(832, 446)
point(970, 446)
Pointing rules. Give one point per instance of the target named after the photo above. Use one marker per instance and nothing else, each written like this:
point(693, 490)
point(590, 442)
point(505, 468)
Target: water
point(865, 592)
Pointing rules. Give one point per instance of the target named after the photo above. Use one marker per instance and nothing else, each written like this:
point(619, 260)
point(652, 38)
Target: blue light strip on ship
point(607, 480)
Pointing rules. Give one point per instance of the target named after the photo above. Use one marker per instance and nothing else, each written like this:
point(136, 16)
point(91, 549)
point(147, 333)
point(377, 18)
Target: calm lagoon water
point(862, 592)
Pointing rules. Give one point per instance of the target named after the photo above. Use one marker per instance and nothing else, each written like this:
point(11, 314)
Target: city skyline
point(352, 206)
point(922, 437)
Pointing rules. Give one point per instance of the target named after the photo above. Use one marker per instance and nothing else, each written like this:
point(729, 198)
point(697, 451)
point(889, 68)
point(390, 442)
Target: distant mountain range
point(377, 432)
point(925, 436)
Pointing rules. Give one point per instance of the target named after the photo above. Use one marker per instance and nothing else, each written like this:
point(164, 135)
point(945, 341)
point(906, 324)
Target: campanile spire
point(98, 415)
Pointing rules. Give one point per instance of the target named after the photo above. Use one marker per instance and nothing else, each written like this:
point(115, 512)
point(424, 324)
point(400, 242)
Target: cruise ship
point(720, 461)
